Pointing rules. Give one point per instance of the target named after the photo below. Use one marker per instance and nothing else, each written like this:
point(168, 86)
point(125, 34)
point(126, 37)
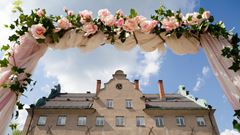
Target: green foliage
point(236, 124)
point(133, 13)
point(233, 53)
point(201, 10)
point(5, 47)
point(4, 62)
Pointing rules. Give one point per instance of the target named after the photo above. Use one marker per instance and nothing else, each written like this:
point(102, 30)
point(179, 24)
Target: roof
point(171, 102)
point(85, 101)
point(70, 100)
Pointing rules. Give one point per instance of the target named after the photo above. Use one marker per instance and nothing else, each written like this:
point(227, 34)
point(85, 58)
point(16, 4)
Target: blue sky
point(77, 71)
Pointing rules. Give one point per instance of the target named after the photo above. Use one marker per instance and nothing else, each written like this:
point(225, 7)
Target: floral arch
point(183, 34)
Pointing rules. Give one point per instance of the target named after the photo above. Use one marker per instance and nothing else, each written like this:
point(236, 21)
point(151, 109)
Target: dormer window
point(128, 104)
point(109, 103)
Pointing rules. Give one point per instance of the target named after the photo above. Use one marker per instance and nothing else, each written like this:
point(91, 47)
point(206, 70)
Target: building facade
point(120, 108)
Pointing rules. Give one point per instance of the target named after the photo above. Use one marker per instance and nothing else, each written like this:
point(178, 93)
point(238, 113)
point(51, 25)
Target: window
point(82, 121)
point(99, 121)
point(61, 120)
point(180, 121)
point(42, 120)
point(201, 121)
point(119, 121)
point(140, 121)
point(159, 121)
point(128, 103)
point(109, 103)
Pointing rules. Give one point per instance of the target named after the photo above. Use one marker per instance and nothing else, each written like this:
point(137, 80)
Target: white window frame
point(109, 103)
point(99, 121)
point(129, 103)
point(140, 122)
point(120, 121)
point(61, 121)
point(201, 121)
point(82, 121)
point(180, 121)
point(159, 121)
point(42, 120)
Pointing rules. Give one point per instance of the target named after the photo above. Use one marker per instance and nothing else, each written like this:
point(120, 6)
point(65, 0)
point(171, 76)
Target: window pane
point(42, 120)
point(140, 121)
point(82, 121)
point(201, 121)
point(99, 121)
point(159, 121)
point(61, 120)
point(109, 103)
point(128, 103)
point(180, 121)
point(119, 121)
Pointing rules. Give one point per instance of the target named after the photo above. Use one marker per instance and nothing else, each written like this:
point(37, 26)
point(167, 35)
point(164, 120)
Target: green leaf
point(5, 47)
point(169, 13)
point(19, 105)
point(235, 66)
point(12, 38)
point(18, 70)
point(236, 125)
point(4, 62)
point(12, 26)
point(133, 13)
point(5, 25)
point(211, 19)
point(40, 40)
point(201, 10)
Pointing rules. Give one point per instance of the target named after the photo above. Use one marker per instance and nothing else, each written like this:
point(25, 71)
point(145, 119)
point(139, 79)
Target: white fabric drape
point(228, 79)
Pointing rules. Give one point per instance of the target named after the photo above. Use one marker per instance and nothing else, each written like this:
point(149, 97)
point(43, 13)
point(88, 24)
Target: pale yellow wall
point(130, 128)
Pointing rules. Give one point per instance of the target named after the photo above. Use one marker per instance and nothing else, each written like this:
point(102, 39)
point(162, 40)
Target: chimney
point(98, 86)
point(136, 84)
point(161, 89)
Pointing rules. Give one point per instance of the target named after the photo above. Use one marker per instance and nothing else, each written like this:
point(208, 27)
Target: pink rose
point(70, 13)
point(119, 13)
point(147, 26)
point(109, 20)
point(89, 28)
point(130, 25)
point(103, 13)
point(85, 15)
point(206, 14)
point(140, 19)
point(169, 23)
point(64, 23)
point(40, 13)
point(119, 23)
point(38, 31)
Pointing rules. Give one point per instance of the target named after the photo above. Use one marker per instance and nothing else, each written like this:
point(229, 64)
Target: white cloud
point(201, 78)
point(149, 65)
point(205, 70)
point(229, 132)
point(78, 72)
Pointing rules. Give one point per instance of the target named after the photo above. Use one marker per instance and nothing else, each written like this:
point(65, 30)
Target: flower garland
point(49, 29)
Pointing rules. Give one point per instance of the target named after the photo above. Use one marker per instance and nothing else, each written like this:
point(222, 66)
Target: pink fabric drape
point(26, 55)
point(228, 79)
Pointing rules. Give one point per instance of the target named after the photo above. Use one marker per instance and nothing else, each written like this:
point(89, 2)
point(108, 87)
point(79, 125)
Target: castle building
point(120, 108)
